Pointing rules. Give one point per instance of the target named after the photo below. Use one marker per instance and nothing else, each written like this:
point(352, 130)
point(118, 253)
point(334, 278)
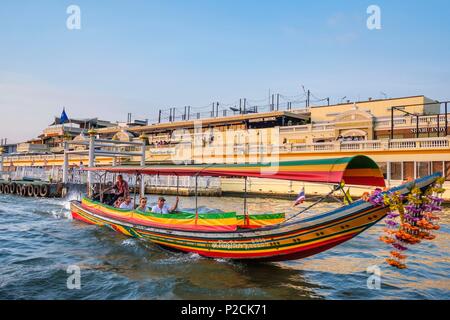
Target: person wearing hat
point(162, 207)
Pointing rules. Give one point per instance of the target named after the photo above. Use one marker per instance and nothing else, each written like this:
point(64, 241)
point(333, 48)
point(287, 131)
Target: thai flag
point(300, 198)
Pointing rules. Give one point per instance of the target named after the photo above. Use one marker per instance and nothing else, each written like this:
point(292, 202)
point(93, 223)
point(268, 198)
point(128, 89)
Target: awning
point(357, 170)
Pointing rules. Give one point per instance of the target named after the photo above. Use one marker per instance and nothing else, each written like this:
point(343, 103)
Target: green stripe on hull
point(265, 216)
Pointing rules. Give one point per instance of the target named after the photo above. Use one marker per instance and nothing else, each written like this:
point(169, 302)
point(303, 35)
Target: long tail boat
point(267, 237)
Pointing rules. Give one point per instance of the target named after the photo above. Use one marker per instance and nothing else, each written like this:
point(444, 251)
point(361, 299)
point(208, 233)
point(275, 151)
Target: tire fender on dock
point(24, 191)
point(44, 190)
point(6, 189)
point(12, 188)
point(2, 188)
point(30, 190)
point(36, 190)
point(19, 189)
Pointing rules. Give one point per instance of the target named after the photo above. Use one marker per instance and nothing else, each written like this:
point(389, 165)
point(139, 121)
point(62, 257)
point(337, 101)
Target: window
point(423, 169)
point(408, 170)
point(447, 170)
point(396, 171)
point(383, 168)
point(438, 166)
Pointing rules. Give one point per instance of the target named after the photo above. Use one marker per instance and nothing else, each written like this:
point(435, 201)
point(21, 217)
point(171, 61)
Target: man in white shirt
point(127, 205)
point(164, 208)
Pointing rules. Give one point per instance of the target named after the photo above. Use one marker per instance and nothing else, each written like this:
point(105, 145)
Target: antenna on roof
point(308, 95)
point(304, 90)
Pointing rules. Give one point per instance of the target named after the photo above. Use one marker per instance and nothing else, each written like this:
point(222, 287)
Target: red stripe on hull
point(311, 252)
point(282, 255)
point(76, 216)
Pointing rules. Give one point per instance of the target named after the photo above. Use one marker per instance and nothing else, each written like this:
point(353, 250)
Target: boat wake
point(176, 258)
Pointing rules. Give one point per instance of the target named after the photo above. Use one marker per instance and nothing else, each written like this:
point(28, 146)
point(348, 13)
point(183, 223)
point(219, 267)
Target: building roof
point(210, 121)
point(369, 101)
point(92, 121)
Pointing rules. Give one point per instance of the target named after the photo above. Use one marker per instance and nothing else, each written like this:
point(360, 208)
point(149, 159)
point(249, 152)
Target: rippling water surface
point(38, 241)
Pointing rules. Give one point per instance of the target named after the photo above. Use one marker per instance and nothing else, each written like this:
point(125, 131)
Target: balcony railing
point(308, 128)
point(361, 145)
point(369, 145)
point(424, 143)
point(411, 121)
point(379, 124)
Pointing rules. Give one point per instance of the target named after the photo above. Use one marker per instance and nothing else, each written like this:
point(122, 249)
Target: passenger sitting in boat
point(142, 204)
point(164, 208)
point(121, 189)
point(126, 204)
point(118, 202)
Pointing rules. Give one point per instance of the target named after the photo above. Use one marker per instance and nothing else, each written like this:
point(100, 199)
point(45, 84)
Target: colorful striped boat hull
point(291, 240)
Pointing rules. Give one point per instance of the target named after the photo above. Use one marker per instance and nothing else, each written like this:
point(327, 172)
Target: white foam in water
point(194, 256)
point(177, 258)
point(70, 197)
point(221, 260)
point(129, 242)
point(63, 204)
point(61, 213)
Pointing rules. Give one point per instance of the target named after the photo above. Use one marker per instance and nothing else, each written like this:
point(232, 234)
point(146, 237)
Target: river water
point(39, 241)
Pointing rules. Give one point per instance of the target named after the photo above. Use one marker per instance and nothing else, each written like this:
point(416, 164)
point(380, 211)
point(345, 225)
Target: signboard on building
point(428, 130)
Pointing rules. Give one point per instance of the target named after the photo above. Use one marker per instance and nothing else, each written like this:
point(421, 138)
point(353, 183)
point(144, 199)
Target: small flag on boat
point(300, 198)
point(64, 118)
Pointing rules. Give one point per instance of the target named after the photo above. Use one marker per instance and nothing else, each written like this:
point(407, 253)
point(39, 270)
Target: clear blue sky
point(139, 56)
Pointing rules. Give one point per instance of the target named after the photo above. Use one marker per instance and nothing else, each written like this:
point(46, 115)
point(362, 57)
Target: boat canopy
point(356, 170)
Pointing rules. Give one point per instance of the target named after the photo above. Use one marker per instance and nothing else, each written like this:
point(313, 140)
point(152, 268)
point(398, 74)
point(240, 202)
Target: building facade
point(408, 137)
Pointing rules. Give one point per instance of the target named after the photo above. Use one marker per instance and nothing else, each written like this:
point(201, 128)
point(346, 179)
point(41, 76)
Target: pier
point(32, 188)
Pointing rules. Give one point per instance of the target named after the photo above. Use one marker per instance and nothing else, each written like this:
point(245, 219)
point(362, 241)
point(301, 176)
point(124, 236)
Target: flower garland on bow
point(410, 219)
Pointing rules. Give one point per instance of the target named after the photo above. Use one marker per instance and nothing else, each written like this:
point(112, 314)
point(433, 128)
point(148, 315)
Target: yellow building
point(420, 144)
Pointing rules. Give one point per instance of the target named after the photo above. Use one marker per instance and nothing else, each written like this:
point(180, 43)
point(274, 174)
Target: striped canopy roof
point(357, 170)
